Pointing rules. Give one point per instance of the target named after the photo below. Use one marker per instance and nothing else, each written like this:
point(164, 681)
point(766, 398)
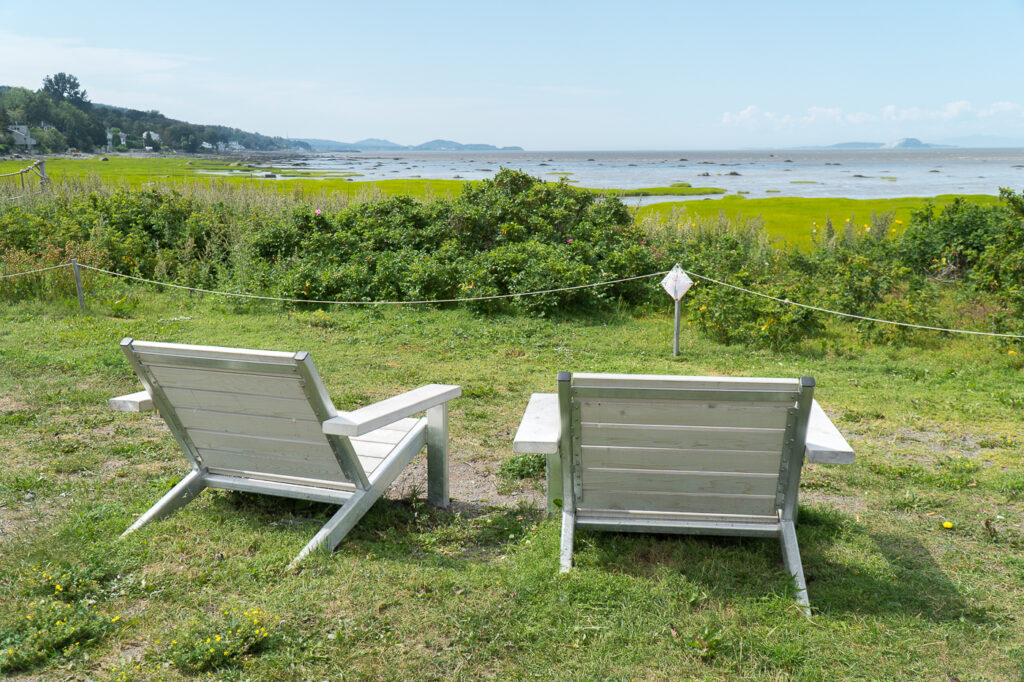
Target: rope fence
point(76, 267)
point(39, 168)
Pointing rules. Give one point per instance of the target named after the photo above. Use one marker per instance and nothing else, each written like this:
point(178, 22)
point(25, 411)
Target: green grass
point(134, 172)
point(474, 593)
point(680, 189)
point(794, 219)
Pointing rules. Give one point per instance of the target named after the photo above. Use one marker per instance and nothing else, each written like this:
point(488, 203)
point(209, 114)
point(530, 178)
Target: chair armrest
point(372, 417)
point(824, 442)
point(540, 428)
point(133, 402)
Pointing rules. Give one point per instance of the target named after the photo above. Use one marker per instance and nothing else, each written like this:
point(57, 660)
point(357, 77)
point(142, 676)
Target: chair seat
point(374, 447)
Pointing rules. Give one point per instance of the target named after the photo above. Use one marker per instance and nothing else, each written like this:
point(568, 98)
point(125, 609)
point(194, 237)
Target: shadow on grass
point(910, 583)
point(397, 529)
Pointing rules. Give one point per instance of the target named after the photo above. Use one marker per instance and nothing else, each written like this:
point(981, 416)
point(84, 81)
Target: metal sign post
point(676, 283)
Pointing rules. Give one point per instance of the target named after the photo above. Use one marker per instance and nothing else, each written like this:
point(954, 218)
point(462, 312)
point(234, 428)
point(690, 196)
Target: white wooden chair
point(676, 454)
point(261, 421)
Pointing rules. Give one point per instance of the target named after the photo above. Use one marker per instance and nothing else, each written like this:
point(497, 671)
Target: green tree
point(63, 87)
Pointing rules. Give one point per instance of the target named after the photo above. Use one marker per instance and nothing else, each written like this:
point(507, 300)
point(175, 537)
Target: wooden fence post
point(78, 284)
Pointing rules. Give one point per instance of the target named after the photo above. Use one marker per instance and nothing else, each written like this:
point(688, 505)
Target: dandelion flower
point(947, 524)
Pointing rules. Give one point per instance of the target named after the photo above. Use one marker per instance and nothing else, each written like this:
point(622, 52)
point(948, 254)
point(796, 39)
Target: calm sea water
point(809, 173)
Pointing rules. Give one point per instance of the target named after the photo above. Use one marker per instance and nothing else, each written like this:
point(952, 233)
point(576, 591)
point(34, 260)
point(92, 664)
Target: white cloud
point(961, 110)
point(751, 114)
point(1001, 109)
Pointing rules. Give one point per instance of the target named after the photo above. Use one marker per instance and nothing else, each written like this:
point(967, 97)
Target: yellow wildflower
point(947, 524)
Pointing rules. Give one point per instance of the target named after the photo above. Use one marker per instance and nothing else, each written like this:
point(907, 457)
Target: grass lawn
point(473, 593)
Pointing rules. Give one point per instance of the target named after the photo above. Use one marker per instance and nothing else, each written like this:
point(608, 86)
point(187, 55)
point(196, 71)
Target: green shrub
point(951, 242)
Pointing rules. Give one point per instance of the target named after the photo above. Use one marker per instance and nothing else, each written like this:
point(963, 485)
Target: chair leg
point(568, 537)
point(184, 492)
point(791, 557)
point(340, 524)
point(437, 455)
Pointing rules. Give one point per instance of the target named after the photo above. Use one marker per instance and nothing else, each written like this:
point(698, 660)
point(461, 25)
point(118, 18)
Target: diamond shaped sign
point(676, 282)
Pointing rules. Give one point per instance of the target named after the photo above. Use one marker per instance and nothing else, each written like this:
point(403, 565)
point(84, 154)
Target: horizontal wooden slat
point(312, 469)
point(588, 514)
point(371, 449)
point(760, 505)
point(683, 393)
point(285, 449)
point(369, 464)
point(391, 433)
point(629, 481)
point(218, 363)
point(671, 381)
point(763, 462)
point(685, 413)
point(214, 351)
point(629, 524)
point(682, 437)
point(269, 427)
point(230, 382)
point(282, 486)
point(241, 403)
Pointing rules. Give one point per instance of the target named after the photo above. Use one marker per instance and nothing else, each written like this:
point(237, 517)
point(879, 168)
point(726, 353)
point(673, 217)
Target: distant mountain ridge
point(902, 143)
point(373, 144)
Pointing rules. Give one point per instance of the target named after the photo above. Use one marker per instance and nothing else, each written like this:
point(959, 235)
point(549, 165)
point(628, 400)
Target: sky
point(554, 75)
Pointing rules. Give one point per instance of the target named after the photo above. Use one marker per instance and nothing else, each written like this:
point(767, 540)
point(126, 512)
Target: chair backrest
point(247, 413)
point(715, 449)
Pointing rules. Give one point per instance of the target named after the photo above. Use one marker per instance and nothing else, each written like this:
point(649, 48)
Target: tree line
point(60, 116)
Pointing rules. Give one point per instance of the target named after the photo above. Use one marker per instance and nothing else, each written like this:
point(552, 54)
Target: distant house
point(153, 136)
point(124, 139)
point(205, 145)
point(21, 136)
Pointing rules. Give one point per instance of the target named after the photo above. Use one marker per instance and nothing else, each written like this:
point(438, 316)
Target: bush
point(951, 242)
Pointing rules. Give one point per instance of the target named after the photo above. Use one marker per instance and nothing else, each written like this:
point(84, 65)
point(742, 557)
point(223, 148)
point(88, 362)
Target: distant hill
point(60, 116)
point(377, 145)
point(902, 143)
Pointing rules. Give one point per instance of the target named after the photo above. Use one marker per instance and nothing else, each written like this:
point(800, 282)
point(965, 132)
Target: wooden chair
point(676, 454)
point(261, 421)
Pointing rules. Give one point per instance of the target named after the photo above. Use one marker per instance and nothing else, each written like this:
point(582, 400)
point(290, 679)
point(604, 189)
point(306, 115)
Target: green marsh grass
point(473, 592)
point(793, 220)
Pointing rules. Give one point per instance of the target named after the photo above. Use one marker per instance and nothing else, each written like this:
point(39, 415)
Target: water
point(855, 174)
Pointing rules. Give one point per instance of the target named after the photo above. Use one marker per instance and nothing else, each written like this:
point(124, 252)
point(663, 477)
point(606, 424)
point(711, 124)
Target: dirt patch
point(11, 405)
point(473, 486)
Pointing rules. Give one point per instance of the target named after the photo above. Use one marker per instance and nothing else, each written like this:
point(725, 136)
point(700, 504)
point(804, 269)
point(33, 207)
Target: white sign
point(676, 282)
